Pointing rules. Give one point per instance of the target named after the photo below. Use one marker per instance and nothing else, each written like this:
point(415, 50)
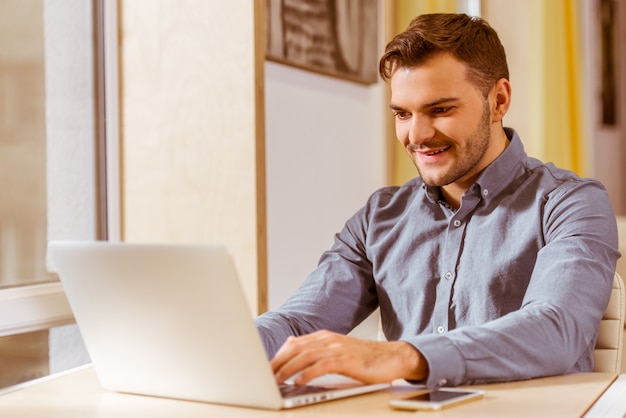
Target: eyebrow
point(434, 103)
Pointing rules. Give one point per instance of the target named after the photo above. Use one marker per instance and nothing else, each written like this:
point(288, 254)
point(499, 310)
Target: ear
point(500, 98)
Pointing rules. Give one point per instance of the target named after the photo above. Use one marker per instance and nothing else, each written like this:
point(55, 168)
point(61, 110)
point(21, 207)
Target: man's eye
point(402, 115)
point(441, 110)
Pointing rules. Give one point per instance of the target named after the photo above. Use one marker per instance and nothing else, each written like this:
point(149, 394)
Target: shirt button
point(485, 192)
point(456, 223)
point(442, 382)
point(448, 275)
point(441, 329)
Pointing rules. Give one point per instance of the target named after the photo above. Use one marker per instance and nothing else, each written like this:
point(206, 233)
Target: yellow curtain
point(556, 116)
point(408, 9)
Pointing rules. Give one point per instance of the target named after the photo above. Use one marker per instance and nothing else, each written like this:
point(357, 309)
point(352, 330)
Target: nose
point(420, 130)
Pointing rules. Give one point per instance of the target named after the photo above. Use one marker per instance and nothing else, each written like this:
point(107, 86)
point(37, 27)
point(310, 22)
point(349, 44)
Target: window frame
point(41, 306)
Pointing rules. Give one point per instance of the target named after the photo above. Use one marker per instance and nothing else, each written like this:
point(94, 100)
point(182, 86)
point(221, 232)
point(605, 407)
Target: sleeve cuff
point(445, 363)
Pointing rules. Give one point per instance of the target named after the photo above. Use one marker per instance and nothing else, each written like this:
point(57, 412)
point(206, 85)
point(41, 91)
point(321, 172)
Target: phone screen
point(437, 399)
point(438, 396)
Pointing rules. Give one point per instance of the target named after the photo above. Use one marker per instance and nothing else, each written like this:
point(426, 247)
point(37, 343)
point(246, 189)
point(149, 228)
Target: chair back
point(608, 352)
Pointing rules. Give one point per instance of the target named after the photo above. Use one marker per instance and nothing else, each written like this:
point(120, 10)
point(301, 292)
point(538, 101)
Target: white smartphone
point(436, 399)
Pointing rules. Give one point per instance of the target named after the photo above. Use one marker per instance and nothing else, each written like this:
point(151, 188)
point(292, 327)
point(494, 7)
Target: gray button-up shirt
point(510, 286)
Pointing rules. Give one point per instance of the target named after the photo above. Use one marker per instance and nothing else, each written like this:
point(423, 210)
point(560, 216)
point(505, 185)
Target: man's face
point(443, 121)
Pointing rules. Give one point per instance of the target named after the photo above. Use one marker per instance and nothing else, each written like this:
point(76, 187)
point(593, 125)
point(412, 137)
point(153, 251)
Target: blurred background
point(227, 135)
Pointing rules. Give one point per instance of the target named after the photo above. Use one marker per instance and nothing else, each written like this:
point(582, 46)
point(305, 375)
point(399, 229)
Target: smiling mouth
point(435, 152)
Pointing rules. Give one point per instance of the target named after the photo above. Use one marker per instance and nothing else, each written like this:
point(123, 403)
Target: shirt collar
point(499, 174)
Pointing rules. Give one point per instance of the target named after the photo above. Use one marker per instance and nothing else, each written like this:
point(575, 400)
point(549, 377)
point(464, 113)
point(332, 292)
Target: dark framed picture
point(338, 38)
point(607, 50)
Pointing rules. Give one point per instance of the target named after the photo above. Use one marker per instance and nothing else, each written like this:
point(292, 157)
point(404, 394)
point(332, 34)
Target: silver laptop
point(173, 321)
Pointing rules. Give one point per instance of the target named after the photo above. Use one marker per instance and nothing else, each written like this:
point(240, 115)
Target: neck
point(453, 192)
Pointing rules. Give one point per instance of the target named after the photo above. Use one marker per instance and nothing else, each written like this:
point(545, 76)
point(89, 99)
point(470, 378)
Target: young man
point(489, 266)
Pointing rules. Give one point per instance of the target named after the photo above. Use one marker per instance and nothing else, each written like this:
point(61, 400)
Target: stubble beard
point(469, 155)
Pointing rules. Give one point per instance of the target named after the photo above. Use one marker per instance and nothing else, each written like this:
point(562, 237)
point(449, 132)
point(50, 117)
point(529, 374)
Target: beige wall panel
point(520, 58)
point(188, 126)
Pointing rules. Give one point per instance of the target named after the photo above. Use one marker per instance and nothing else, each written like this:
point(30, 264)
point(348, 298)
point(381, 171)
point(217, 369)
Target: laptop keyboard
point(290, 390)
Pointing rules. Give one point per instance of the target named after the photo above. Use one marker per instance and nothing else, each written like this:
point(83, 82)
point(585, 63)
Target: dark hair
point(469, 39)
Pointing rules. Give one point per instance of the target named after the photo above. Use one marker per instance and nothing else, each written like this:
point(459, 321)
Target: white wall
point(70, 145)
point(325, 147)
point(70, 132)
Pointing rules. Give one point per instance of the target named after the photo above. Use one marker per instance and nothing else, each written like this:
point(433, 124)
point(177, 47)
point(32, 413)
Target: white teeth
point(435, 152)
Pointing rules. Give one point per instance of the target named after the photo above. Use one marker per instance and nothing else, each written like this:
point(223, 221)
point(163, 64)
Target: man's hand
point(323, 352)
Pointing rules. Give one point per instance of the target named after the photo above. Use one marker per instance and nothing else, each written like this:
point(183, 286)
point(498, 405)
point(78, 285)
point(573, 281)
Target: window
point(52, 171)
point(22, 144)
